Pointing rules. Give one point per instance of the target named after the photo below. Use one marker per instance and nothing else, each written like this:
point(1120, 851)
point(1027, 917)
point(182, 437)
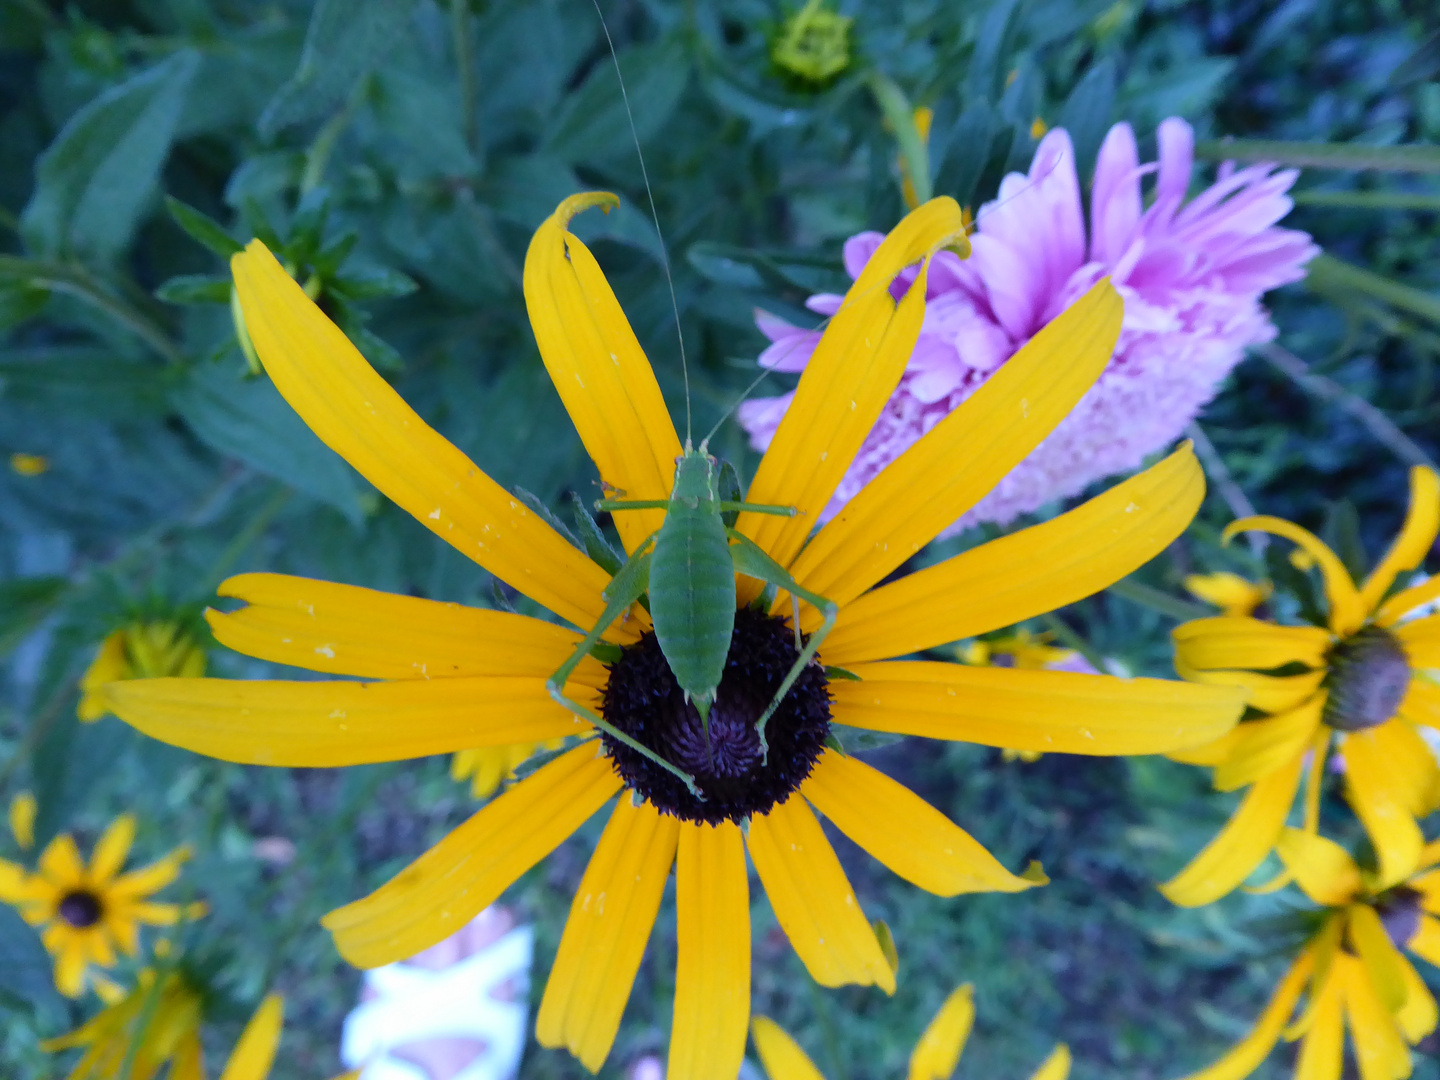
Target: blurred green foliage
point(398, 154)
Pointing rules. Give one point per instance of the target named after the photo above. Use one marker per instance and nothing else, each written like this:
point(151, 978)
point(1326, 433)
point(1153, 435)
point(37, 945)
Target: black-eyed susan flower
point(487, 767)
point(1352, 972)
point(142, 650)
point(444, 677)
point(1231, 593)
point(1357, 681)
point(86, 912)
point(935, 1056)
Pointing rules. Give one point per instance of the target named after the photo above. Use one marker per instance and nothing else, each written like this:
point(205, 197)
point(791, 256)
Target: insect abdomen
point(692, 597)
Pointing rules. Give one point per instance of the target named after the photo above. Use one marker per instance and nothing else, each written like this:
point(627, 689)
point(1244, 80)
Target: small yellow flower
point(87, 912)
point(1231, 593)
point(487, 767)
point(1359, 681)
point(1038, 128)
point(814, 43)
point(142, 650)
point(1354, 967)
point(935, 1056)
point(29, 464)
point(22, 819)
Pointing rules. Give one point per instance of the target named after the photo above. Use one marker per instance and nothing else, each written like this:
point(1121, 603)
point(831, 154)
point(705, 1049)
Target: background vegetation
point(402, 152)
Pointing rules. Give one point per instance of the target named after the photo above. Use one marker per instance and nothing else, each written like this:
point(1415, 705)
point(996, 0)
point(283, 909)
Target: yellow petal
point(1315, 778)
point(1211, 753)
point(110, 663)
point(254, 1053)
point(1371, 792)
point(1420, 1014)
point(1229, 592)
point(598, 367)
point(712, 968)
point(966, 454)
point(813, 900)
point(1241, 845)
point(70, 968)
point(111, 849)
point(1245, 1057)
point(1370, 941)
point(1322, 868)
point(1225, 642)
point(1417, 536)
point(359, 416)
point(1422, 703)
point(1407, 600)
point(1347, 609)
point(150, 879)
point(1426, 941)
point(1268, 744)
point(1379, 1050)
point(605, 935)
point(345, 630)
point(903, 831)
point(1322, 1053)
point(1049, 711)
point(1056, 1066)
point(340, 723)
point(855, 367)
point(12, 882)
point(1268, 693)
point(23, 809)
point(468, 870)
point(938, 1051)
point(1026, 573)
point(60, 862)
point(1414, 774)
point(780, 1054)
point(1421, 641)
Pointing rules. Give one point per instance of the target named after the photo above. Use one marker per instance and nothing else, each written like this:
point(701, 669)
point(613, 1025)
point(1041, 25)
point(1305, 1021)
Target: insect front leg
point(751, 560)
point(626, 587)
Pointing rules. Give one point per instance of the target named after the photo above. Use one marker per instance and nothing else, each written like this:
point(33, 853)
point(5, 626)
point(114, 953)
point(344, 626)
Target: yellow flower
point(23, 809)
point(87, 912)
point(934, 1057)
point(814, 43)
point(1357, 681)
point(487, 767)
point(1231, 593)
point(1354, 968)
point(29, 464)
point(452, 678)
point(1038, 128)
point(151, 1026)
point(1022, 649)
point(142, 650)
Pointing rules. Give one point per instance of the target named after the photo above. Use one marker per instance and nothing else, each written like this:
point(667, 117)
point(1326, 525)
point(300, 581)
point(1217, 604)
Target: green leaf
point(1088, 112)
point(591, 124)
point(1369, 200)
point(344, 41)
point(25, 967)
point(378, 283)
point(23, 603)
point(596, 546)
point(93, 184)
point(71, 768)
point(1321, 155)
point(249, 420)
point(1340, 281)
point(21, 301)
point(202, 228)
point(195, 289)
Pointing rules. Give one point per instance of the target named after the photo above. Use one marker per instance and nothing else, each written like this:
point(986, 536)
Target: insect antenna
point(654, 214)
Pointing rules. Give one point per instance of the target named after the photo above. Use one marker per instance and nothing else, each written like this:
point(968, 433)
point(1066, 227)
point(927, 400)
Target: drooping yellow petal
point(1212, 753)
point(359, 416)
point(1417, 536)
point(712, 968)
point(1268, 693)
point(254, 1053)
point(780, 1054)
point(1414, 772)
point(1420, 1014)
point(1245, 1057)
point(966, 454)
point(1026, 573)
point(1379, 1050)
point(468, 870)
point(1268, 744)
point(1421, 641)
point(346, 630)
point(1369, 940)
point(1322, 1052)
point(1241, 845)
point(939, 1048)
point(1049, 711)
point(598, 367)
point(1056, 1066)
point(1322, 868)
point(111, 849)
point(1224, 642)
point(813, 900)
point(605, 935)
point(1370, 790)
point(855, 367)
point(110, 663)
point(903, 831)
point(1230, 592)
point(1407, 600)
point(1347, 609)
point(342, 723)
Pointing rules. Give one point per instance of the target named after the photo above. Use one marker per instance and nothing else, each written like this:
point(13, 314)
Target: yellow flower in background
point(29, 464)
point(923, 117)
point(86, 912)
point(1231, 593)
point(142, 650)
point(814, 43)
point(1357, 681)
point(451, 678)
point(23, 809)
point(1353, 971)
point(935, 1056)
point(1022, 649)
point(1038, 128)
point(487, 767)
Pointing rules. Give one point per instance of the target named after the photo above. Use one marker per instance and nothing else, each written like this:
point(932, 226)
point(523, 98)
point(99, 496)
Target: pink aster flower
point(1192, 275)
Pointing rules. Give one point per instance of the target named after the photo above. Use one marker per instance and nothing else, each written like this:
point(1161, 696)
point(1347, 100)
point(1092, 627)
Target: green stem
point(1369, 200)
point(1172, 607)
point(1219, 474)
point(1331, 277)
point(1071, 639)
point(465, 72)
point(318, 156)
point(254, 528)
point(1323, 155)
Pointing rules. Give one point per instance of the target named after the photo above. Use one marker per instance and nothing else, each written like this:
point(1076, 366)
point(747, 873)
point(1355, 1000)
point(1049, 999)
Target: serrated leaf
point(249, 420)
point(93, 184)
point(591, 123)
point(202, 228)
point(195, 289)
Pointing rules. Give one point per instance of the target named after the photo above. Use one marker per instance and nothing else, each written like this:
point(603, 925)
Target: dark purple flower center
point(80, 909)
point(1369, 676)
